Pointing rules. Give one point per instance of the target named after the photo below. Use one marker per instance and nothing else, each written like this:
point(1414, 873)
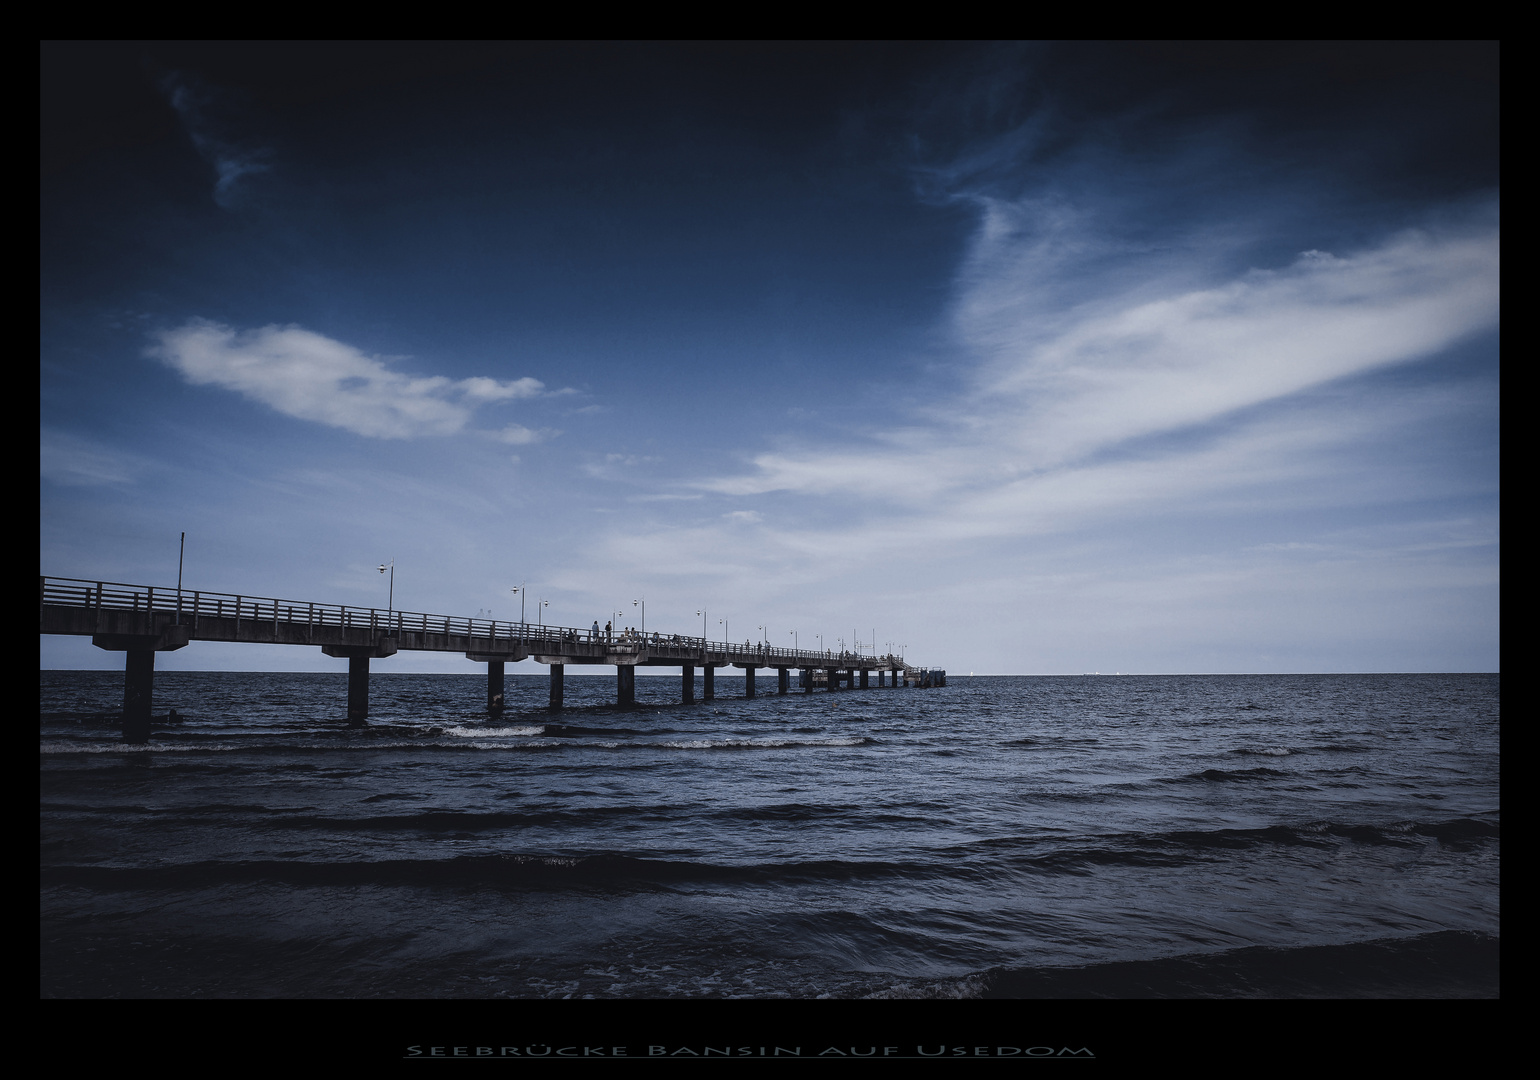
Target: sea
point(999, 837)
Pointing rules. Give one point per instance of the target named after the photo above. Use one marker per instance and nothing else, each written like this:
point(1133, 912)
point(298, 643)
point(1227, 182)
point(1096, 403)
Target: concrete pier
point(625, 685)
point(140, 621)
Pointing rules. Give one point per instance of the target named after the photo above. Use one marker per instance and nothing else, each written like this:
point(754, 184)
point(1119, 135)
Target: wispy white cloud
point(1288, 461)
point(481, 388)
point(1117, 369)
point(518, 435)
point(615, 466)
point(234, 155)
point(76, 462)
point(1053, 389)
point(312, 377)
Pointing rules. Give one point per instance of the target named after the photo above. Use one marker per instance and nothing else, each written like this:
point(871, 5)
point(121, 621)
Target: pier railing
point(189, 606)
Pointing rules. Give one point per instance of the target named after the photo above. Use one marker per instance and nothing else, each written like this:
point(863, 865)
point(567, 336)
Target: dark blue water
point(1179, 836)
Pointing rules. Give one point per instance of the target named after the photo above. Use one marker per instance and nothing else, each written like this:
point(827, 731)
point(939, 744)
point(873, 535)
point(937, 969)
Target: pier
point(140, 621)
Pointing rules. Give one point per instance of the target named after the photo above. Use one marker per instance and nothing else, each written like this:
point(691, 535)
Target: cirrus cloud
point(1052, 389)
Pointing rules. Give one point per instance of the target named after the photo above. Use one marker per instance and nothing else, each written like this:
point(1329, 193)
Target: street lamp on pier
point(391, 596)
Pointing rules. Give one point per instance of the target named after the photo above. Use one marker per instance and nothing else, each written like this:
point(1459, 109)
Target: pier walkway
point(140, 621)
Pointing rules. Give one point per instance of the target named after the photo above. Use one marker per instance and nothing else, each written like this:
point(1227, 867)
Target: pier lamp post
point(794, 646)
point(540, 606)
point(391, 566)
point(643, 604)
point(723, 624)
point(520, 590)
point(182, 550)
point(702, 614)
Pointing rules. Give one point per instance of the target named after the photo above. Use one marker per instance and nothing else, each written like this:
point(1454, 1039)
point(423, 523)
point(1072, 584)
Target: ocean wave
point(468, 739)
point(513, 871)
point(767, 743)
point(493, 732)
point(1445, 964)
point(1219, 775)
point(1176, 848)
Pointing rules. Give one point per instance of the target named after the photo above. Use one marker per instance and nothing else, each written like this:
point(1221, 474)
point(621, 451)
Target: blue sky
point(1033, 358)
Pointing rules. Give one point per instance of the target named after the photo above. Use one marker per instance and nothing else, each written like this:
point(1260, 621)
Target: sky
point(1020, 358)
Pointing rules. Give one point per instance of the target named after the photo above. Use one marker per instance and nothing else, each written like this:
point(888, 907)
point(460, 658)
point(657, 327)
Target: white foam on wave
point(498, 733)
point(730, 744)
point(117, 747)
point(760, 744)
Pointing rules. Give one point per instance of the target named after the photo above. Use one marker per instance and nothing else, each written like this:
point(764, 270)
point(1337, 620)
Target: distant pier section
point(140, 621)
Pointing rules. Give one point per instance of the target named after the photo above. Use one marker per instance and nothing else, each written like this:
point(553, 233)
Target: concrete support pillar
point(807, 680)
point(864, 675)
point(625, 685)
point(879, 678)
point(139, 673)
point(495, 687)
point(557, 673)
point(710, 692)
point(358, 690)
point(687, 685)
point(782, 680)
point(138, 692)
point(748, 682)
